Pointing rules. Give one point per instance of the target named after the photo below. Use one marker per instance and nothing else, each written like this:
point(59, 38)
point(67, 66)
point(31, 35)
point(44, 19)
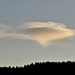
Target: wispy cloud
point(43, 24)
point(43, 32)
point(7, 31)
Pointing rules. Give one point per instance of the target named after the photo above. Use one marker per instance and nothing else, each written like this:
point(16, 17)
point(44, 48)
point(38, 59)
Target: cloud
point(7, 31)
point(43, 24)
point(45, 33)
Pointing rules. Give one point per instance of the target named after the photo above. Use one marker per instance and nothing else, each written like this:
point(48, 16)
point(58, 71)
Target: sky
point(31, 31)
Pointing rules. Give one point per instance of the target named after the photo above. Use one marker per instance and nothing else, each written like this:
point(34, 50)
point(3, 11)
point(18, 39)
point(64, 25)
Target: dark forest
point(40, 67)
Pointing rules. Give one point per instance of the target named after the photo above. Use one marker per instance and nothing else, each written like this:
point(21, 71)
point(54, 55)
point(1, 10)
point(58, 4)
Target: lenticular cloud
point(45, 33)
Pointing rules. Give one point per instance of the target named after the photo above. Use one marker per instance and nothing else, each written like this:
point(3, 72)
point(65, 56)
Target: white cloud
point(7, 31)
point(43, 24)
point(45, 33)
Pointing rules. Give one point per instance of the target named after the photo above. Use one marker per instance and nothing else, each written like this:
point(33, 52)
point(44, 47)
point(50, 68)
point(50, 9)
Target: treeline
point(39, 67)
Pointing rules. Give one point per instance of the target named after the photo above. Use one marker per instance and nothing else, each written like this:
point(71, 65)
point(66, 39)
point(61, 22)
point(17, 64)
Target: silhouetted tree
point(39, 67)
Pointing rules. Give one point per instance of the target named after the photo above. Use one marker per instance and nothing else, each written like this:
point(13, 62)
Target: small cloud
point(43, 24)
point(7, 31)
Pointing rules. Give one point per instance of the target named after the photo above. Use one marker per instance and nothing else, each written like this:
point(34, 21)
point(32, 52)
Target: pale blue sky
point(16, 12)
